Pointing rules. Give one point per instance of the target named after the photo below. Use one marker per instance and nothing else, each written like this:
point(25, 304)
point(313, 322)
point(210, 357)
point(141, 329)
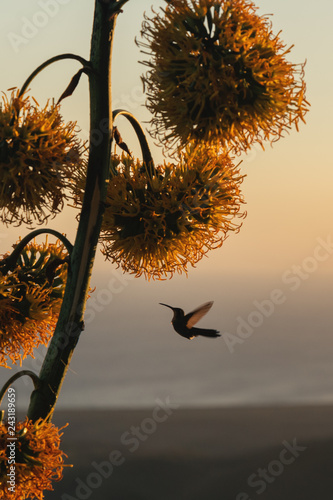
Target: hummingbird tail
point(211, 333)
point(205, 332)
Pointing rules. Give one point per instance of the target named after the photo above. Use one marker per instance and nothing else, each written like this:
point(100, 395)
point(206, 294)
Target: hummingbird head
point(177, 312)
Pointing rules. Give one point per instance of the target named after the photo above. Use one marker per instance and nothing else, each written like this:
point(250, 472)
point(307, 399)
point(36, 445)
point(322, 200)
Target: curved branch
point(40, 68)
point(146, 154)
point(11, 260)
point(32, 375)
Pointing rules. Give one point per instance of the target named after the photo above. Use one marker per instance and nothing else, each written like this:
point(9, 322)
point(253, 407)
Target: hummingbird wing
point(193, 317)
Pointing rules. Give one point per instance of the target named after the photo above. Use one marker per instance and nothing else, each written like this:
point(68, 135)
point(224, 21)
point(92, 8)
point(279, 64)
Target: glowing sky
point(288, 188)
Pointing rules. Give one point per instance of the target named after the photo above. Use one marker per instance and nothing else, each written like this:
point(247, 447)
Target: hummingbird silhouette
point(184, 324)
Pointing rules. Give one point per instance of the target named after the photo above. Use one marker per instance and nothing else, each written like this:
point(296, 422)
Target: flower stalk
point(16, 376)
point(9, 262)
point(145, 150)
point(70, 322)
point(47, 63)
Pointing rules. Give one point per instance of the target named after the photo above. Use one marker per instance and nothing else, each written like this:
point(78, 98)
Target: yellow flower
point(156, 222)
point(38, 155)
point(30, 300)
point(218, 73)
point(38, 459)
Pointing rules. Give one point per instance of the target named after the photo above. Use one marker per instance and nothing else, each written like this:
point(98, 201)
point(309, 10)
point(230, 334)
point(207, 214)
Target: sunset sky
point(286, 241)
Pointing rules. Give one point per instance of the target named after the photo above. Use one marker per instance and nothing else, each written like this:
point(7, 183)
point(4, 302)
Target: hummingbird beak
point(166, 305)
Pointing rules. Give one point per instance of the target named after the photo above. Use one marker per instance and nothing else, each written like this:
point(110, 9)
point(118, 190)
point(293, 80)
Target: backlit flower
point(218, 73)
point(38, 155)
point(38, 459)
point(156, 222)
point(30, 300)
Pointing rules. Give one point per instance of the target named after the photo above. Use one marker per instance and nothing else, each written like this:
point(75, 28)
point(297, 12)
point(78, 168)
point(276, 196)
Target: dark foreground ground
point(282, 453)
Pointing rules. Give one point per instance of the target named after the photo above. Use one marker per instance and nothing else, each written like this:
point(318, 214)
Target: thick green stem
point(70, 322)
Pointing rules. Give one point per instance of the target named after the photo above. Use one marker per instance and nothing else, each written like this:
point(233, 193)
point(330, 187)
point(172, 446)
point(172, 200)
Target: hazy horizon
point(285, 242)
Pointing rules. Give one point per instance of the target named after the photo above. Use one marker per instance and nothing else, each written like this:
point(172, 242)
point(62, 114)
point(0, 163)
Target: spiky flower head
point(38, 459)
point(157, 221)
point(218, 73)
point(30, 299)
point(38, 155)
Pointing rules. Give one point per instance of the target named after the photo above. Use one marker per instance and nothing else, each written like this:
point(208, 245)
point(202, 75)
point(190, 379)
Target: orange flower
point(38, 156)
point(38, 459)
point(30, 300)
point(157, 222)
point(218, 73)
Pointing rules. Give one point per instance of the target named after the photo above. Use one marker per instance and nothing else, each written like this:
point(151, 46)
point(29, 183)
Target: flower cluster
point(30, 299)
point(38, 459)
point(38, 155)
point(218, 73)
point(157, 221)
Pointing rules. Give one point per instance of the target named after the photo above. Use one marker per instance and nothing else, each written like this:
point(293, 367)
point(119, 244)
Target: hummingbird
point(183, 324)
